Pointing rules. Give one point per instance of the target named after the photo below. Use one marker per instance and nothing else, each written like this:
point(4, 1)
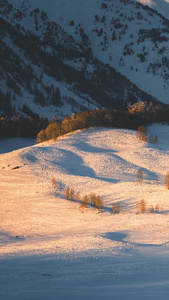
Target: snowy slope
point(50, 249)
point(123, 22)
point(77, 47)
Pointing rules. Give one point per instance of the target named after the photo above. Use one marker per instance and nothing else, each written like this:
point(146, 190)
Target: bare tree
point(77, 197)
point(141, 206)
point(116, 209)
point(99, 203)
point(142, 133)
point(113, 209)
point(67, 193)
point(167, 180)
point(84, 203)
point(140, 175)
point(55, 186)
point(71, 194)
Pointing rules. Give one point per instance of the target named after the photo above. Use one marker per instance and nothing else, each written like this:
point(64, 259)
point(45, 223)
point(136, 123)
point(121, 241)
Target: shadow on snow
point(122, 237)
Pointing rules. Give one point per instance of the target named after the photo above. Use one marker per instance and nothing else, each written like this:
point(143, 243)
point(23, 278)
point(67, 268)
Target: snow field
point(48, 247)
point(103, 161)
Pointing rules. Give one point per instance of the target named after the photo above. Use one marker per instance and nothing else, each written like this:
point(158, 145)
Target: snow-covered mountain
point(67, 55)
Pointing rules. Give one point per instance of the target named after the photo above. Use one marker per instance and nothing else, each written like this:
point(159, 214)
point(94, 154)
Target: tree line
point(19, 126)
point(135, 116)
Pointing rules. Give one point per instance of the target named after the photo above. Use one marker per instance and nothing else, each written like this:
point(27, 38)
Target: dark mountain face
point(48, 68)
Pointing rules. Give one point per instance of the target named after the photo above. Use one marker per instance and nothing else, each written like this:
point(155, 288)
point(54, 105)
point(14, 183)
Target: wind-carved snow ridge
point(49, 246)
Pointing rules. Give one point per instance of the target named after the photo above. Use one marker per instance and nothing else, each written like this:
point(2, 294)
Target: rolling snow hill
point(74, 55)
point(50, 249)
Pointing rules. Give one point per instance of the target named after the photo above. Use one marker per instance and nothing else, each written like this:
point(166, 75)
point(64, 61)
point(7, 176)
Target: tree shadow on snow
point(122, 237)
point(73, 164)
point(83, 146)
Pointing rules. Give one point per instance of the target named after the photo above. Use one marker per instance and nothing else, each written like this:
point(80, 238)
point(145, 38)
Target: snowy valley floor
point(49, 249)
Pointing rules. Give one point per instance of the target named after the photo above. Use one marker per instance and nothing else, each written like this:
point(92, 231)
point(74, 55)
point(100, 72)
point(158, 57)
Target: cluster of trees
point(116, 209)
point(137, 116)
point(22, 75)
point(161, 64)
point(127, 49)
point(19, 126)
point(92, 199)
point(141, 207)
point(5, 104)
point(143, 136)
point(18, 72)
point(154, 34)
point(150, 112)
point(142, 56)
point(87, 119)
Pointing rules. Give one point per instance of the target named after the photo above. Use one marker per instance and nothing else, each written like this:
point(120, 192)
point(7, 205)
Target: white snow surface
point(50, 249)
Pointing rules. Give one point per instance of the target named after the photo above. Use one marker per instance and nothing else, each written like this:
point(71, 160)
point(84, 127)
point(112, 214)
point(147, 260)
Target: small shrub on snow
point(141, 206)
point(113, 209)
point(116, 209)
point(140, 175)
point(155, 209)
point(67, 193)
point(71, 194)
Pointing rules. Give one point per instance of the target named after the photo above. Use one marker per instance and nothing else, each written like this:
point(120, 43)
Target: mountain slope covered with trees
point(59, 59)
